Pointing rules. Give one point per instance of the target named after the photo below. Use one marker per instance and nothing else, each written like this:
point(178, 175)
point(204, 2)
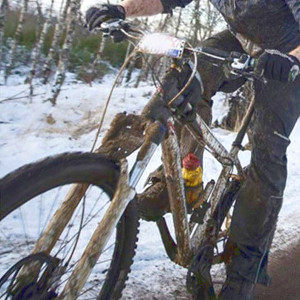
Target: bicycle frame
point(188, 240)
point(189, 236)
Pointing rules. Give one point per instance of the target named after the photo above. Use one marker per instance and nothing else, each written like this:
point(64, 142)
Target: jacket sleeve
point(168, 5)
point(294, 6)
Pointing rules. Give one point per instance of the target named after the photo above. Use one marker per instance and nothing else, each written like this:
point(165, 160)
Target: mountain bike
point(82, 242)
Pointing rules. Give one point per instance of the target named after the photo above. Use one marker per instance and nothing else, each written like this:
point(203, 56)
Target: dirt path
point(155, 277)
point(285, 272)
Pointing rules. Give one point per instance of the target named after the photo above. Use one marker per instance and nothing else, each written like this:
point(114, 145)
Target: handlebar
point(114, 25)
point(239, 64)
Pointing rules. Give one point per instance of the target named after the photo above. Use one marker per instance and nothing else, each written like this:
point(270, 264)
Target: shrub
point(88, 73)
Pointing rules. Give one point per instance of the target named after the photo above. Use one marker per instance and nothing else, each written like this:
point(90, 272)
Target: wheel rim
point(21, 229)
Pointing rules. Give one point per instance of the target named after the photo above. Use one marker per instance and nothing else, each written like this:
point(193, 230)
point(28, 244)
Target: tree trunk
point(197, 24)
point(148, 61)
point(178, 22)
point(12, 54)
point(3, 15)
point(38, 48)
point(61, 7)
point(128, 50)
point(100, 52)
point(148, 68)
point(130, 68)
point(59, 31)
point(40, 19)
point(145, 61)
point(64, 54)
point(142, 72)
point(210, 20)
point(213, 18)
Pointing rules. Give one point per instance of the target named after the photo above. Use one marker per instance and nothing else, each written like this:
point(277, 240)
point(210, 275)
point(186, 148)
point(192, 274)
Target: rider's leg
point(214, 80)
point(277, 109)
point(154, 202)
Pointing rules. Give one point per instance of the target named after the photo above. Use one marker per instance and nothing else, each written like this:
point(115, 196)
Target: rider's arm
point(294, 6)
point(296, 53)
point(138, 8)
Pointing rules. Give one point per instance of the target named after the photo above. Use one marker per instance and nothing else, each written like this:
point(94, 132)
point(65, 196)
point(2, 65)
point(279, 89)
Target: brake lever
point(244, 65)
point(113, 25)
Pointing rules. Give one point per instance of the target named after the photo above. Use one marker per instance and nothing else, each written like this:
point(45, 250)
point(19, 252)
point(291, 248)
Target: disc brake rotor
point(33, 277)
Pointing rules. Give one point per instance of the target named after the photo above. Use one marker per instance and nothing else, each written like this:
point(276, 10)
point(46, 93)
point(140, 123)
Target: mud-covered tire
point(20, 186)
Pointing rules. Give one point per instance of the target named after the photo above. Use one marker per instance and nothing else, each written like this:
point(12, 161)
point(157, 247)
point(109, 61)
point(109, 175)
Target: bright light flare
point(161, 44)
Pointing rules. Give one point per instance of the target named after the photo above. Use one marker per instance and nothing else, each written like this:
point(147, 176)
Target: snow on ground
point(33, 129)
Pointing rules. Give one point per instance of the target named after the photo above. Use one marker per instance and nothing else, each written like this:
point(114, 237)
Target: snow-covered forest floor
point(31, 129)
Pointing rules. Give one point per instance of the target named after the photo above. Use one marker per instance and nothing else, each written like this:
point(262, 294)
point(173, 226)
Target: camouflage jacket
point(270, 24)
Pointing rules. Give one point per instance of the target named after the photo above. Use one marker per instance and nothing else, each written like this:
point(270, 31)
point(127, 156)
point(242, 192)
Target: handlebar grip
point(294, 72)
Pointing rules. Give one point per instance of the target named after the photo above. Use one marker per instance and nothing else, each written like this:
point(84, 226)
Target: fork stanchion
point(155, 133)
point(123, 195)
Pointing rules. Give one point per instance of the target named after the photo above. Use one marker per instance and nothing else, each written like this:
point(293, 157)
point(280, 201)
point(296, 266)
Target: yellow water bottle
point(192, 175)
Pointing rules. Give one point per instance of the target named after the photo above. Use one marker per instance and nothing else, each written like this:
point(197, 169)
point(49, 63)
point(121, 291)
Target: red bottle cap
point(191, 162)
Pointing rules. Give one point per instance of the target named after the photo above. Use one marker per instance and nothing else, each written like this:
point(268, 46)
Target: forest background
point(47, 38)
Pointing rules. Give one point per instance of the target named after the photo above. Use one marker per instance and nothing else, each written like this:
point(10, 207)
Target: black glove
point(274, 65)
point(187, 104)
point(95, 16)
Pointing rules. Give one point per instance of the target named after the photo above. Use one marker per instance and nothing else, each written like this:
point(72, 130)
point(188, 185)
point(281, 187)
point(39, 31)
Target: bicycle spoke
point(64, 242)
point(93, 216)
point(7, 239)
point(95, 203)
point(107, 248)
point(89, 289)
point(103, 261)
point(23, 223)
point(84, 225)
point(52, 208)
point(40, 215)
point(80, 228)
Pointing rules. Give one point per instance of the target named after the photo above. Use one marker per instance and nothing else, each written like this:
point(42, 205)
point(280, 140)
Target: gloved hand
point(95, 16)
point(186, 104)
point(274, 65)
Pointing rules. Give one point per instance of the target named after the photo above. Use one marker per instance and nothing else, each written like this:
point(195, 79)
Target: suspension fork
point(124, 194)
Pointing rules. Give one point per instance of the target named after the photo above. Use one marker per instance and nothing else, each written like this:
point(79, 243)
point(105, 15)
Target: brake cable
point(125, 64)
point(194, 71)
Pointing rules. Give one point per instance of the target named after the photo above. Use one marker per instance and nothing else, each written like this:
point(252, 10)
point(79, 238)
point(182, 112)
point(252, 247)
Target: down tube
point(175, 185)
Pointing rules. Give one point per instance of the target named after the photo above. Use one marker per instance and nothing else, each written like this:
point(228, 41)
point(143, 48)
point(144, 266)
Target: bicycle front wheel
point(32, 197)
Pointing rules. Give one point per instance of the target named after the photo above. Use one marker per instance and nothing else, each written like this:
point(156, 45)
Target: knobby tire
point(20, 186)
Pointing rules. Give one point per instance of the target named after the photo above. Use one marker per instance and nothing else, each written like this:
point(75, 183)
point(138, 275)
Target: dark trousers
point(277, 107)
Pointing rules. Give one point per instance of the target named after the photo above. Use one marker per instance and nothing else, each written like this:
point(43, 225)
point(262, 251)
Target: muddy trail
point(285, 272)
point(284, 269)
